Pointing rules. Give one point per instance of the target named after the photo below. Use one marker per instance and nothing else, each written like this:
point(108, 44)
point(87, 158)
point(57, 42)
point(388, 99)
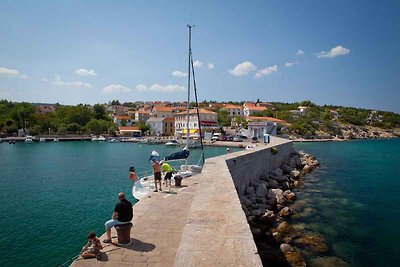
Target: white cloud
point(210, 66)
point(23, 76)
point(334, 52)
point(171, 88)
point(85, 72)
point(115, 88)
point(243, 69)
point(266, 71)
point(8, 72)
point(290, 64)
point(57, 81)
point(300, 52)
point(198, 64)
point(178, 73)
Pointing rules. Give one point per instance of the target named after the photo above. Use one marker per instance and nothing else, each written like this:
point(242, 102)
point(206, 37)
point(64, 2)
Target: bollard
point(124, 233)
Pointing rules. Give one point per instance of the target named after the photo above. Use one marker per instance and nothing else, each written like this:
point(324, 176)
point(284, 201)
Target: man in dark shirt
point(123, 213)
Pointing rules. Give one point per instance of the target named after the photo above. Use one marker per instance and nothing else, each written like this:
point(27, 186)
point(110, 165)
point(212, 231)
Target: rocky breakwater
point(266, 205)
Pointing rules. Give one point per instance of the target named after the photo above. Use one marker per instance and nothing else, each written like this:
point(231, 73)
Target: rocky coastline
point(270, 202)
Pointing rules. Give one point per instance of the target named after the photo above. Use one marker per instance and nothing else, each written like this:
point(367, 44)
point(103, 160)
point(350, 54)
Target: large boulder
point(328, 262)
point(261, 190)
point(286, 212)
point(289, 195)
point(292, 255)
point(250, 190)
point(275, 173)
point(268, 217)
point(295, 174)
point(280, 199)
point(286, 168)
point(273, 183)
point(245, 201)
point(311, 241)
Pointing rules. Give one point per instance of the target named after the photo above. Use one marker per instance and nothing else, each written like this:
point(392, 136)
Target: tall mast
point(188, 99)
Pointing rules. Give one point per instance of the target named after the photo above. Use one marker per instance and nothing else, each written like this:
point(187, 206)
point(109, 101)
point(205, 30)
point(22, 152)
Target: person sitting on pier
point(123, 213)
point(92, 248)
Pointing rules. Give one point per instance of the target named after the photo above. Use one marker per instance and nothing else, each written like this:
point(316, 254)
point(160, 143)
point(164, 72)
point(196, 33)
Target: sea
point(52, 194)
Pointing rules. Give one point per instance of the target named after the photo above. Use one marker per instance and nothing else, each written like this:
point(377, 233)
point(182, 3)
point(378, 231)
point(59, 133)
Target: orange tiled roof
point(232, 106)
point(169, 119)
point(255, 118)
point(164, 109)
point(128, 128)
point(201, 111)
point(123, 117)
point(256, 108)
point(249, 104)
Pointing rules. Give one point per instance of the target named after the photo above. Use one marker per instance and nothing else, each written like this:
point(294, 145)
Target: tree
point(223, 118)
point(99, 112)
point(97, 126)
point(143, 127)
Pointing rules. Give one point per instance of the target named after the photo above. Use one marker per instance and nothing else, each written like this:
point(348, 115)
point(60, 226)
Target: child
point(92, 248)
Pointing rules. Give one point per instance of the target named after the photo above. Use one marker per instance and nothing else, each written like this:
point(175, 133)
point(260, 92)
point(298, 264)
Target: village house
point(163, 112)
point(258, 126)
point(162, 126)
point(45, 109)
point(250, 108)
point(233, 110)
point(264, 104)
point(123, 120)
point(208, 120)
point(142, 115)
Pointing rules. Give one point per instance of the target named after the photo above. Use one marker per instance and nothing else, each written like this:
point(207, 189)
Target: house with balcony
point(258, 126)
point(142, 115)
point(249, 109)
point(208, 121)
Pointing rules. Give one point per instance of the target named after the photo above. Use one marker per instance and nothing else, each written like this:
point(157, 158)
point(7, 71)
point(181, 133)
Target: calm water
point(353, 200)
point(53, 194)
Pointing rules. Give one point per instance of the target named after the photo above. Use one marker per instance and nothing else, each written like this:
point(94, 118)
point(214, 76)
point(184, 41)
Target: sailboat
point(144, 185)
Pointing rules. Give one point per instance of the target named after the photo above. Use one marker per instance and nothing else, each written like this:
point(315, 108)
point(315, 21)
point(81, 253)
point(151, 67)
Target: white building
point(258, 126)
point(233, 110)
point(249, 109)
point(208, 120)
point(156, 126)
point(126, 120)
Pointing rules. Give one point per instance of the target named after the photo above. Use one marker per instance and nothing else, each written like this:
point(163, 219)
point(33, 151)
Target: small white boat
point(42, 139)
point(95, 139)
point(101, 138)
point(55, 139)
point(172, 143)
point(28, 139)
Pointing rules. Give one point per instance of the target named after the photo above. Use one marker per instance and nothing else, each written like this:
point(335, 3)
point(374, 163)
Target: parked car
point(254, 139)
point(243, 136)
point(222, 138)
point(237, 138)
point(216, 136)
point(229, 137)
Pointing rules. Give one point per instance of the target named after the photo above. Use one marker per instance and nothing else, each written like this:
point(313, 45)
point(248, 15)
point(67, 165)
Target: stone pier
point(201, 223)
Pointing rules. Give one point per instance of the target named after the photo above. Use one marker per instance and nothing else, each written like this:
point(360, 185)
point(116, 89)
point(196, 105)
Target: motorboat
point(172, 143)
point(101, 138)
point(95, 139)
point(28, 139)
point(42, 139)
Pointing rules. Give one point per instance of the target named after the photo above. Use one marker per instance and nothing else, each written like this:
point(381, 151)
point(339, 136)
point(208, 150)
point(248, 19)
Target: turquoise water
point(53, 194)
point(353, 200)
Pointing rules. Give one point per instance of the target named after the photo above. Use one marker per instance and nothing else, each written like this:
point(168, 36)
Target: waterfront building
point(208, 120)
point(129, 131)
point(258, 126)
point(163, 111)
point(142, 115)
point(156, 125)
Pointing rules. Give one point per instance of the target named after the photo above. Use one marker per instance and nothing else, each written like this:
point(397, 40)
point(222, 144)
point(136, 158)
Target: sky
point(330, 52)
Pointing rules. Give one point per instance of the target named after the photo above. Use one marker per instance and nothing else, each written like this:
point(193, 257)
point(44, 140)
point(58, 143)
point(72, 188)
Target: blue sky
point(330, 52)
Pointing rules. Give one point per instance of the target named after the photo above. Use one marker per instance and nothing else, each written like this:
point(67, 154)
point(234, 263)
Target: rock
point(293, 257)
point(307, 212)
point(250, 190)
point(261, 190)
point(328, 262)
point(265, 183)
point(286, 212)
point(253, 200)
point(250, 218)
point(256, 231)
point(284, 228)
point(295, 174)
point(286, 169)
point(245, 201)
point(268, 217)
point(258, 212)
point(289, 195)
point(296, 183)
point(264, 177)
point(273, 183)
point(280, 199)
point(311, 241)
point(306, 168)
point(261, 199)
point(276, 172)
point(246, 210)
point(286, 185)
point(278, 237)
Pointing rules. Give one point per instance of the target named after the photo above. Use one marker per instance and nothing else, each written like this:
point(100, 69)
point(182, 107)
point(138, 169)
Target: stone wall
point(216, 231)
